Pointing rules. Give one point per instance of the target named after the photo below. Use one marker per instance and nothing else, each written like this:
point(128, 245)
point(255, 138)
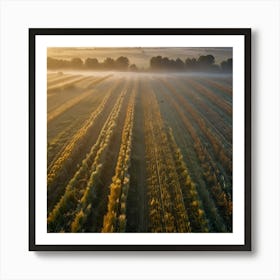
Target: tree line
point(121, 63)
point(205, 63)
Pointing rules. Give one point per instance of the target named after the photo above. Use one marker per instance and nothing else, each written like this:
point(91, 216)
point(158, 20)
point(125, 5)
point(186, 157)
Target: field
point(139, 152)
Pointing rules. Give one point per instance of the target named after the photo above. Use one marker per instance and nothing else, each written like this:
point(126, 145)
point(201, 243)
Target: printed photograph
point(139, 140)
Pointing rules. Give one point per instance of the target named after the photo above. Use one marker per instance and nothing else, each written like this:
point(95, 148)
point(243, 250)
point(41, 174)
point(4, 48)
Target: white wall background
point(16, 262)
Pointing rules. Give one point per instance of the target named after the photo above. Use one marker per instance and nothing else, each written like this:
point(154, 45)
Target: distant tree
point(191, 64)
point(91, 63)
point(156, 62)
point(179, 64)
point(226, 66)
point(165, 63)
point(204, 63)
point(109, 63)
point(53, 63)
point(122, 63)
point(76, 63)
point(133, 67)
point(206, 60)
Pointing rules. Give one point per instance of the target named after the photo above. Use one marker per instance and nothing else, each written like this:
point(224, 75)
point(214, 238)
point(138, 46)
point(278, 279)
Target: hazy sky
point(140, 56)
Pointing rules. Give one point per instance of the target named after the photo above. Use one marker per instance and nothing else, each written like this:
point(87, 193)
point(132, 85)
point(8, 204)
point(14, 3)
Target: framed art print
point(140, 139)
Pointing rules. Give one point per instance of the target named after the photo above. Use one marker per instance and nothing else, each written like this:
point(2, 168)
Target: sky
point(139, 56)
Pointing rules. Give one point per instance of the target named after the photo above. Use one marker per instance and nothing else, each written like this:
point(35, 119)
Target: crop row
point(217, 147)
point(207, 93)
point(194, 208)
point(211, 173)
point(220, 123)
point(63, 128)
point(167, 212)
point(72, 102)
point(60, 140)
point(211, 114)
point(221, 87)
point(52, 75)
point(52, 81)
point(57, 99)
point(69, 150)
point(65, 84)
point(115, 219)
point(72, 210)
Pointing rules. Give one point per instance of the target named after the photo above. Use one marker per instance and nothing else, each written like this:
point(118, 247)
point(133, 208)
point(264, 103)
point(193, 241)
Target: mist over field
point(127, 74)
point(139, 56)
point(133, 150)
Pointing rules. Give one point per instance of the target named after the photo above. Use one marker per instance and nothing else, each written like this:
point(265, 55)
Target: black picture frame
point(246, 32)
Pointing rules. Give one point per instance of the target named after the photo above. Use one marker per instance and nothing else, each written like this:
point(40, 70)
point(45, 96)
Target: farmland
point(139, 152)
